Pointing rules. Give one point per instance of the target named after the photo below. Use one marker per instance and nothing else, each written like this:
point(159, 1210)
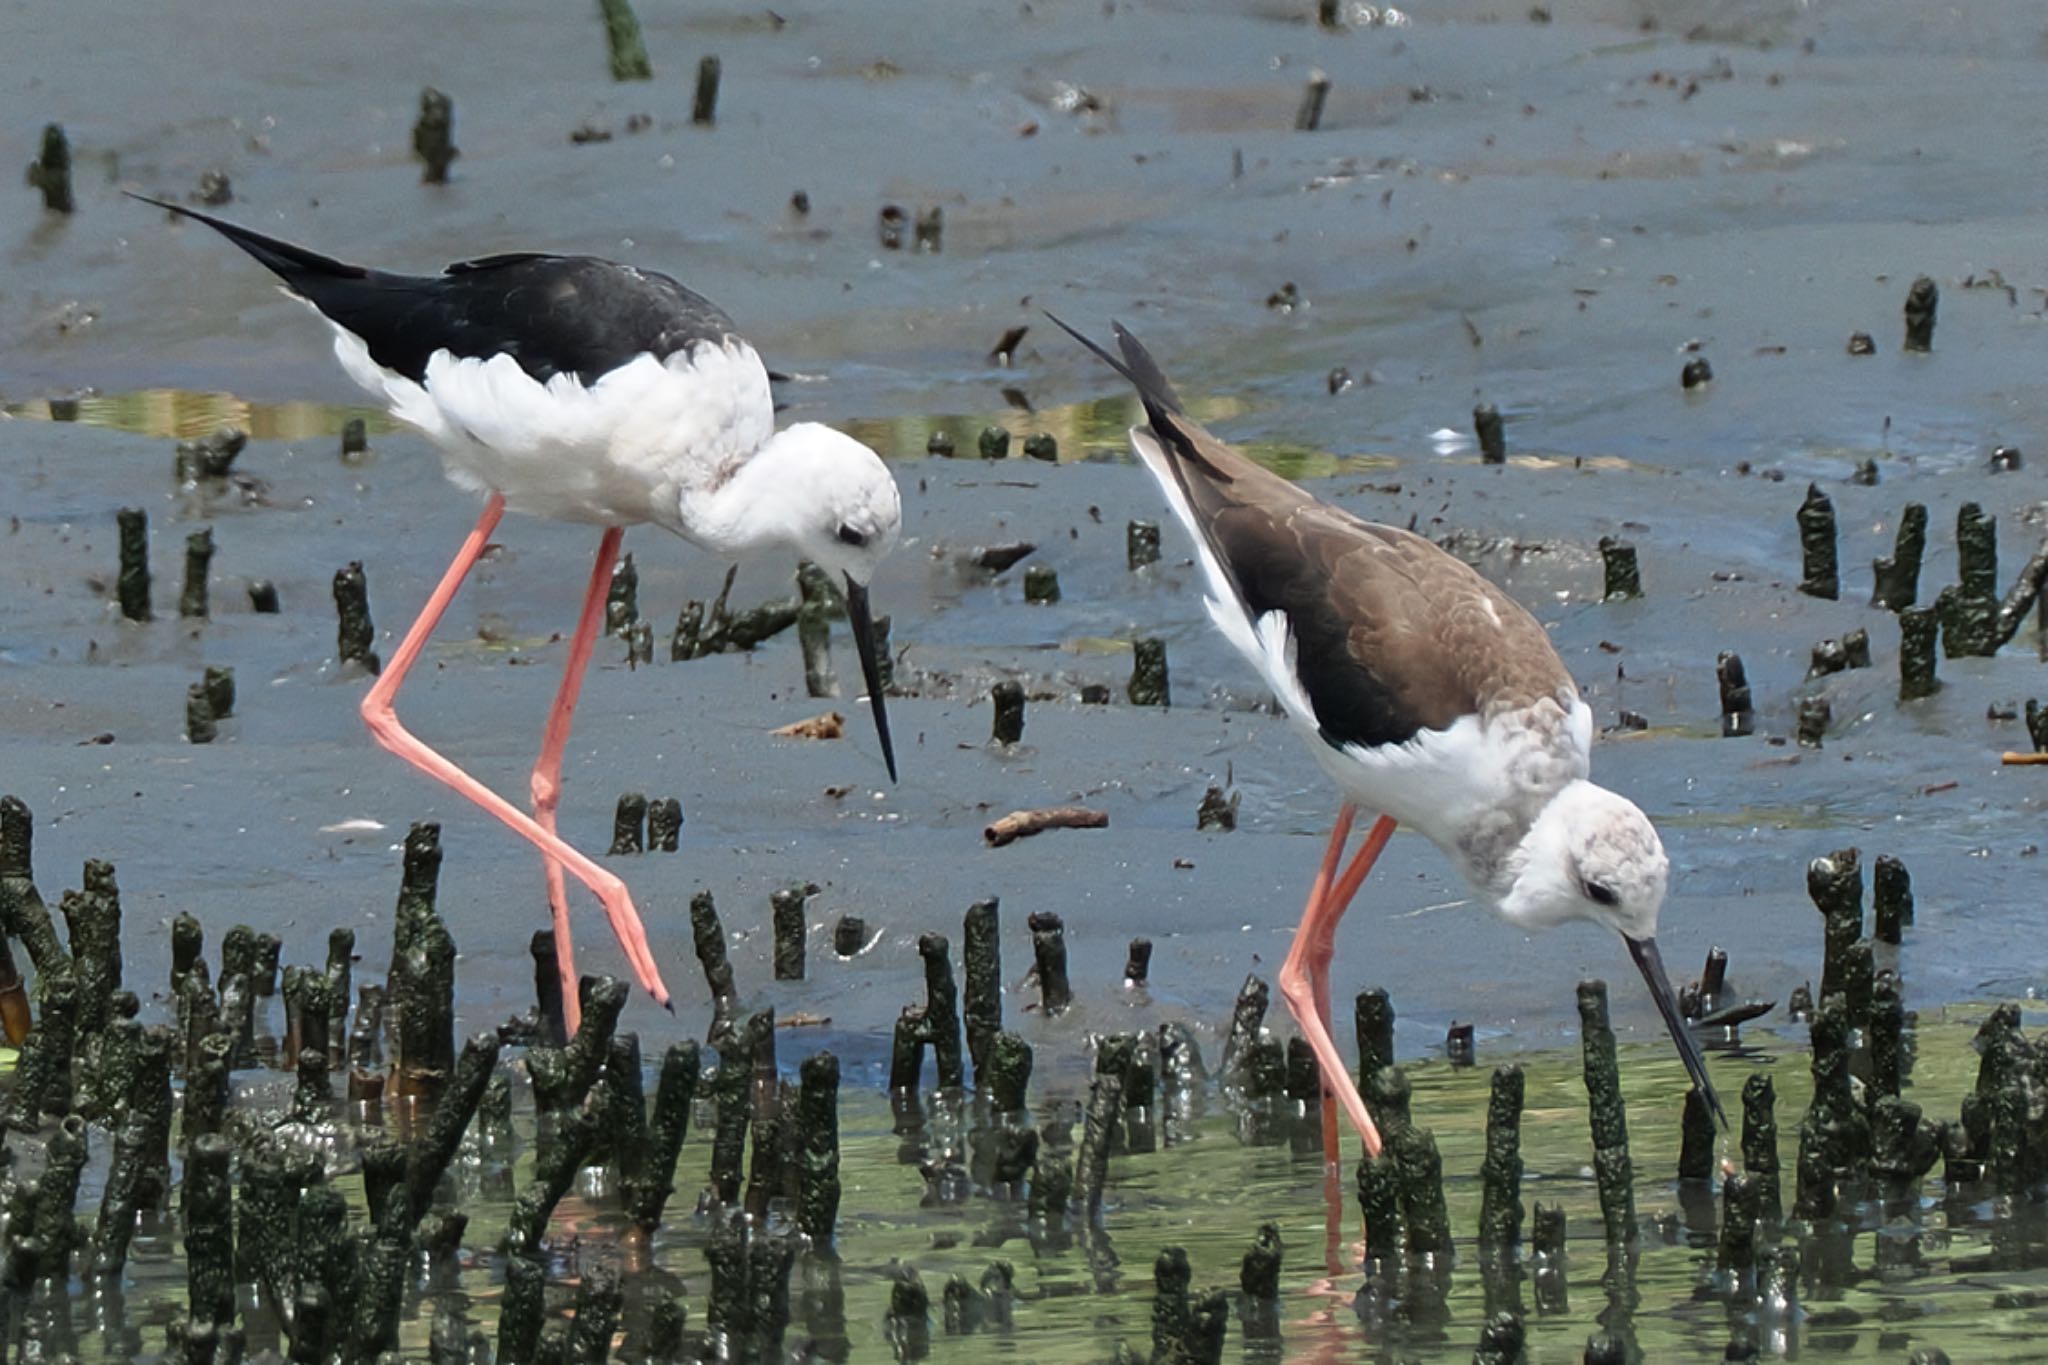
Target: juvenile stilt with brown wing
point(1427, 694)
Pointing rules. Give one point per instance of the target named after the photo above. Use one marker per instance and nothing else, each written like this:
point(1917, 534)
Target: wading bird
point(586, 391)
point(1427, 694)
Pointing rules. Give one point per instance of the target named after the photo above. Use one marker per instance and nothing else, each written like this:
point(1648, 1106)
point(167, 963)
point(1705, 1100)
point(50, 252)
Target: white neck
point(750, 511)
point(1537, 895)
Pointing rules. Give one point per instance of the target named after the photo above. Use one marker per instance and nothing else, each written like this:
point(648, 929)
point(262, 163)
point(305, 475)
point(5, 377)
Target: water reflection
point(1093, 430)
point(181, 414)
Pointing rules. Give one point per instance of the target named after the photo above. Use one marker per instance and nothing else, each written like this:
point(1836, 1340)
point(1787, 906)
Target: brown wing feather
point(1444, 639)
point(1392, 634)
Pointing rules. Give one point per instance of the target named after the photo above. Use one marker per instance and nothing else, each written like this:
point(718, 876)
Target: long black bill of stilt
point(863, 625)
point(1651, 964)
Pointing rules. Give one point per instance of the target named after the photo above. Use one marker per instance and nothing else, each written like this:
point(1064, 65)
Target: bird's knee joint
point(1295, 986)
point(378, 713)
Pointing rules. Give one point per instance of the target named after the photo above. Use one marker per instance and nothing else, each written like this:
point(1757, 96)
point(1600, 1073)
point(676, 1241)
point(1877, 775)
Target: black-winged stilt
point(1427, 694)
point(579, 389)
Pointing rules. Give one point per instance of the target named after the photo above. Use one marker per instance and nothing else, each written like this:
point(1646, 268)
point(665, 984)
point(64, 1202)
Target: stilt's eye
point(849, 536)
point(1601, 895)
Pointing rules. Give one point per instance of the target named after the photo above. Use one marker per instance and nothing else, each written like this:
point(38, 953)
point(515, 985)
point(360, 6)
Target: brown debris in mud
point(831, 725)
point(1022, 824)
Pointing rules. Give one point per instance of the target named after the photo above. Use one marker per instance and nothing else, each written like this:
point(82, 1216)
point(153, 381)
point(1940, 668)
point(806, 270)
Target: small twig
point(1731, 1016)
point(2014, 759)
point(1022, 824)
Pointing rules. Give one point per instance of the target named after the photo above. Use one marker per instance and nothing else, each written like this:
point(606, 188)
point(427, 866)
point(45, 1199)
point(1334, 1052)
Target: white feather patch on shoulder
point(1578, 725)
point(1276, 661)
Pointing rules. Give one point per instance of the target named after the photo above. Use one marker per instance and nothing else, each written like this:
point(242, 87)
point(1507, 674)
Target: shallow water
point(290, 820)
point(1956, 1269)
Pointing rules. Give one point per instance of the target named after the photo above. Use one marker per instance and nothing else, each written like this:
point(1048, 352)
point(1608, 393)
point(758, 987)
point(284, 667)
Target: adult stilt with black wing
point(588, 391)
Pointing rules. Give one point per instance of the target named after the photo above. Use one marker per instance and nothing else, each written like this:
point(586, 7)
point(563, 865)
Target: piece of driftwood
point(1022, 824)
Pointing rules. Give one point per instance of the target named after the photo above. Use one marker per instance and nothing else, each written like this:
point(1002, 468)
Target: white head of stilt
point(1589, 855)
point(809, 489)
point(826, 496)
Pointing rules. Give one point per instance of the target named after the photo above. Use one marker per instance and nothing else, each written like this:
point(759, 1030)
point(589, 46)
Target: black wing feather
point(501, 259)
point(574, 315)
point(288, 262)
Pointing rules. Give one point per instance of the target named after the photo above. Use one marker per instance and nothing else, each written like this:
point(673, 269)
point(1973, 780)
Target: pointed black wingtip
point(294, 264)
point(1136, 365)
point(182, 211)
point(1144, 371)
point(1104, 356)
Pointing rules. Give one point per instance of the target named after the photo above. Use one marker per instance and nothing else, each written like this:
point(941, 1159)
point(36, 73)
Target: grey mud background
point(1542, 212)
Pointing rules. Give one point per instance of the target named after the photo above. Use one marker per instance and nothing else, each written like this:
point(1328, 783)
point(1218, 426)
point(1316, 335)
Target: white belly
point(1473, 788)
point(614, 453)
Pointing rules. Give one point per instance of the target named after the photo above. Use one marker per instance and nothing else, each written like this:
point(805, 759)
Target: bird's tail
point(1176, 431)
point(293, 264)
point(1137, 365)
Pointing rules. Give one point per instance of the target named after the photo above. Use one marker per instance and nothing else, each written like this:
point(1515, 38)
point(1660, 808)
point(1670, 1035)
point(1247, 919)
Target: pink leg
point(1304, 978)
point(1332, 857)
point(547, 773)
point(381, 716)
point(1338, 900)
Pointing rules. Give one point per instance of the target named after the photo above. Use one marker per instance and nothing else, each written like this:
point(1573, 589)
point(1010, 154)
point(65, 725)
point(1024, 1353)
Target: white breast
point(1475, 787)
point(615, 452)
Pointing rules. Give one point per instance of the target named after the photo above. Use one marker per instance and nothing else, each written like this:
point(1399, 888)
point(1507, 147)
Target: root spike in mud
point(433, 136)
point(704, 104)
point(50, 172)
point(1486, 425)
